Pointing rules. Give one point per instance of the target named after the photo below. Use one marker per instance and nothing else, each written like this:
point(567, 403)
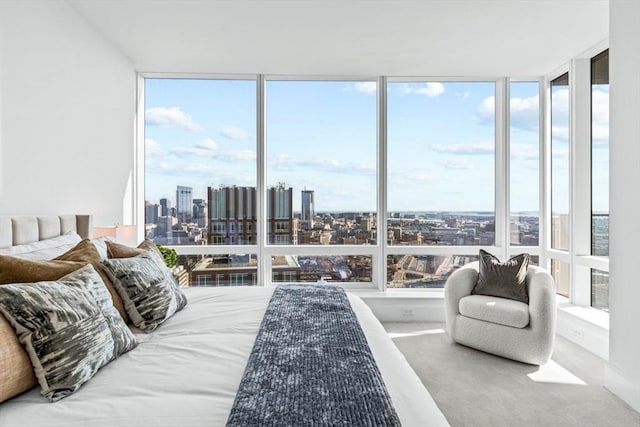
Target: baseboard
point(620, 385)
point(406, 309)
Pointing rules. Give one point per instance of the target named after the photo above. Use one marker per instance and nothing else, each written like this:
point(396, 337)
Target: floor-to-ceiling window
point(441, 145)
point(578, 248)
point(560, 196)
point(256, 179)
point(320, 140)
point(524, 163)
point(600, 176)
point(200, 146)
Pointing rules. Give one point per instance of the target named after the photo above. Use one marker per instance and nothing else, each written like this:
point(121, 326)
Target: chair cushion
point(502, 311)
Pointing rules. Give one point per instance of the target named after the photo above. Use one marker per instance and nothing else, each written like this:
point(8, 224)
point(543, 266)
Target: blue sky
point(322, 136)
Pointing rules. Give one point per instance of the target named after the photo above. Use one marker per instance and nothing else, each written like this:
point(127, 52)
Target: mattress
point(186, 373)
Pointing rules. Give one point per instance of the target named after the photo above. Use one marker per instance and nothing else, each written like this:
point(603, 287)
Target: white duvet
point(186, 373)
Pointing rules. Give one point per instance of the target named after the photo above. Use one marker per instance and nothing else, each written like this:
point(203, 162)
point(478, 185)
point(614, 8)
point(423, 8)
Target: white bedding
point(186, 373)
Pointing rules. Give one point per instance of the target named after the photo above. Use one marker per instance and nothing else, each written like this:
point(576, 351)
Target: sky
point(322, 136)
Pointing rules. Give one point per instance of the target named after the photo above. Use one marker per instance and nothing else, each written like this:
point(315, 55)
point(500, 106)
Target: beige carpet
point(473, 388)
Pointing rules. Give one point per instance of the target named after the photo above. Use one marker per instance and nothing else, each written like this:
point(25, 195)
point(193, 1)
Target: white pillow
point(44, 249)
point(101, 245)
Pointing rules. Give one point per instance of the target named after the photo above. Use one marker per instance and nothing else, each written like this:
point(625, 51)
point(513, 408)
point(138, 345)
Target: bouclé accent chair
point(507, 328)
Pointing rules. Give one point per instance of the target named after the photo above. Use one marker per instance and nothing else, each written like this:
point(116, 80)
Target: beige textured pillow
point(16, 371)
point(86, 252)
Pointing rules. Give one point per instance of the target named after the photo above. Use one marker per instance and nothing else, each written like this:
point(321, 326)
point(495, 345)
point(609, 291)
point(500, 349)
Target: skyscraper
point(165, 207)
point(200, 212)
point(151, 212)
point(184, 204)
point(308, 209)
point(282, 228)
point(232, 215)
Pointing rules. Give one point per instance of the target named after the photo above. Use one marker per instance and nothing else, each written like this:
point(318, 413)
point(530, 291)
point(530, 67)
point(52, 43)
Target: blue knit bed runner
point(311, 366)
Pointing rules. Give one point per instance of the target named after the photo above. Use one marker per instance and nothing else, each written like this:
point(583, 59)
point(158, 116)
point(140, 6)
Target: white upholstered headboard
point(19, 230)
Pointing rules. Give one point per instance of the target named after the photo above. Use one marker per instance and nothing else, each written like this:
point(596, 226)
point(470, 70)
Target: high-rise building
point(165, 207)
point(151, 212)
point(282, 228)
point(308, 210)
point(232, 215)
point(200, 212)
point(184, 204)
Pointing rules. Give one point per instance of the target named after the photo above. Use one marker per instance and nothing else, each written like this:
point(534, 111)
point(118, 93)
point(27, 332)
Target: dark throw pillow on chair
point(503, 279)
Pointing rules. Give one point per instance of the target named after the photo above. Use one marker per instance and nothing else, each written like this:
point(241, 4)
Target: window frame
point(578, 255)
point(379, 252)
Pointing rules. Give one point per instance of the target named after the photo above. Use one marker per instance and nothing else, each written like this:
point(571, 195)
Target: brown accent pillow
point(117, 250)
point(16, 371)
point(503, 279)
point(86, 252)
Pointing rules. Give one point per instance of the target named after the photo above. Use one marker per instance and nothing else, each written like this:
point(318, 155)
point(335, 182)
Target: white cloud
point(245, 155)
point(204, 148)
point(285, 162)
point(524, 112)
point(560, 153)
point(234, 133)
point(600, 117)
point(207, 144)
point(523, 151)
point(600, 111)
point(419, 176)
point(486, 147)
point(487, 108)
point(560, 133)
point(456, 164)
point(560, 104)
point(152, 148)
point(209, 148)
point(430, 89)
point(170, 117)
point(366, 87)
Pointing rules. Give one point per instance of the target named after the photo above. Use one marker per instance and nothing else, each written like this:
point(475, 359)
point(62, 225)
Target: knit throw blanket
point(311, 366)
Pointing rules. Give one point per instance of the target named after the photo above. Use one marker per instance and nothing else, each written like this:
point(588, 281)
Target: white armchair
point(507, 328)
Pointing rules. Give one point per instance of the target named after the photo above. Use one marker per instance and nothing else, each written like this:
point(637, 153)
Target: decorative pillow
point(43, 249)
point(101, 245)
point(16, 372)
point(86, 252)
point(117, 250)
point(69, 328)
point(147, 287)
point(503, 279)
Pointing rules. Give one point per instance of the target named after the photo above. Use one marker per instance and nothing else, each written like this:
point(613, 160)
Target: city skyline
point(321, 135)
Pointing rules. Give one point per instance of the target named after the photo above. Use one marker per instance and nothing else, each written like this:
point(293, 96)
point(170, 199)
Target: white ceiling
point(350, 37)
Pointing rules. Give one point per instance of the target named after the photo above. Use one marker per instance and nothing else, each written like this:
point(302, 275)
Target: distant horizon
point(322, 135)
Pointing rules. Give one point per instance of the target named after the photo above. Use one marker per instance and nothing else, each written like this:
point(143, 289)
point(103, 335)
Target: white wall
point(623, 371)
point(67, 106)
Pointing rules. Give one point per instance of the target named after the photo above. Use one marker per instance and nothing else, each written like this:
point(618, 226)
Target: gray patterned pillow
point(147, 288)
point(68, 327)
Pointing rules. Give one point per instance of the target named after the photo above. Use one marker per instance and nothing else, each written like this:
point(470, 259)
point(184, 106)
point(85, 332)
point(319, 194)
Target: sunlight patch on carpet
point(554, 373)
point(394, 335)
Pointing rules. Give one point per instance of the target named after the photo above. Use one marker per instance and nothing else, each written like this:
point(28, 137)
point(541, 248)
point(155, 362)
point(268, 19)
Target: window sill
point(399, 293)
point(591, 315)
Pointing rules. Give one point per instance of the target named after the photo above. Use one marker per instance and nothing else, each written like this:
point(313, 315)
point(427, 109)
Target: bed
point(187, 371)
